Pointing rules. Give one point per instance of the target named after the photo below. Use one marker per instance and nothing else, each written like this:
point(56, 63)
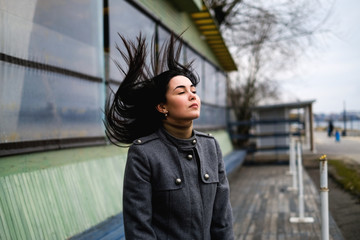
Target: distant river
point(354, 124)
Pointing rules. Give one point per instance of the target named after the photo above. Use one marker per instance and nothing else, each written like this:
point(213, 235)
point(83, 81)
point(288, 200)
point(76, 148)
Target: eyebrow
point(182, 86)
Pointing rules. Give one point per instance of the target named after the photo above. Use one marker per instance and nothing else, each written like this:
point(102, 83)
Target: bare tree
point(265, 38)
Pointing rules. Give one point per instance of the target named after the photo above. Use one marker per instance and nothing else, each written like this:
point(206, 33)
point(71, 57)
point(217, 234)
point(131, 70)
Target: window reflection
point(45, 104)
point(211, 116)
point(65, 35)
point(221, 89)
point(39, 105)
point(210, 76)
point(197, 62)
point(163, 38)
point(129, 22)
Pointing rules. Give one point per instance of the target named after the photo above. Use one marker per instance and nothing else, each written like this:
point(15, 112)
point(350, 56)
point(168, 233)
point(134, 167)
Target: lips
point(194, 105)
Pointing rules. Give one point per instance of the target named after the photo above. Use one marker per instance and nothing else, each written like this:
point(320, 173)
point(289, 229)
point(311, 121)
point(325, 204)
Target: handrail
point(267, 121)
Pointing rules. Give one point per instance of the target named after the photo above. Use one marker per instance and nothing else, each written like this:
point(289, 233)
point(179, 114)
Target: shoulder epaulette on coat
point(209, 135)
point(145, 139)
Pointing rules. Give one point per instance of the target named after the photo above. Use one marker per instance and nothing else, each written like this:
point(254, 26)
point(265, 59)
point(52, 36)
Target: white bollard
point(292, 165)
point(291, 155)
point(301, 218)
point(324, 196)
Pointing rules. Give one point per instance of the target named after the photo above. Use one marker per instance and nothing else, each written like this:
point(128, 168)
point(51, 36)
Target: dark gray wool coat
point(176, 189)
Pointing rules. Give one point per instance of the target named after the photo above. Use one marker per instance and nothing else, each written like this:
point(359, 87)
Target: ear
point(161, 107)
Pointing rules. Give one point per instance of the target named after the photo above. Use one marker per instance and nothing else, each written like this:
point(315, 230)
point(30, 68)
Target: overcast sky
point(332, 76)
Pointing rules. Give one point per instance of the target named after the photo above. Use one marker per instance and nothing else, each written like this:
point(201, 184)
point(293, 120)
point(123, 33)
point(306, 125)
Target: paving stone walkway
point(263, 205)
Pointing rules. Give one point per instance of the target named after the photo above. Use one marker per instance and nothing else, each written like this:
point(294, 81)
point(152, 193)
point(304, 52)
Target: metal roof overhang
point(210, 31)
point(291, 105)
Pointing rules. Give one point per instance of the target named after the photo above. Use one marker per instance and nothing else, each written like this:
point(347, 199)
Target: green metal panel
point(35, 161)
point(224, 140)
point(48, 199)
point(179, 21)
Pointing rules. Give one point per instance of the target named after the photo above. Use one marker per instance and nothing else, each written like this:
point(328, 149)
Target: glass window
point(66, 35)
point(221, 89)
point(126, 20)
point(197, 66)
point(49, 103)
point(40, 105)
point(210, 75)
point(213, 97)
point(164, 37)
point(40, 99)
point(211, 117)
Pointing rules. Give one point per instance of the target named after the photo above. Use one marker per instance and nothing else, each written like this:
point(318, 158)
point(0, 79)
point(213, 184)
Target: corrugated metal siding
point(224, 141)
point(179, 22)
point(58, 202)
point(58, 194)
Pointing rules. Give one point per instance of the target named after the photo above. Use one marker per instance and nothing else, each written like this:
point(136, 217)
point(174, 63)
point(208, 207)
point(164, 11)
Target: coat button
point(178, 181)
point(138, 141)
point(189, 157)
point(194, 142)
point(206, 176)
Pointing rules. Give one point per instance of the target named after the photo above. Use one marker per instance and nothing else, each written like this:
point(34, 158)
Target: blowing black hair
point(130, 112)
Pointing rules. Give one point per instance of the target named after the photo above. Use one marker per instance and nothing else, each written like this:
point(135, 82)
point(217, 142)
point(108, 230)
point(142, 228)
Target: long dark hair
point(131, 111)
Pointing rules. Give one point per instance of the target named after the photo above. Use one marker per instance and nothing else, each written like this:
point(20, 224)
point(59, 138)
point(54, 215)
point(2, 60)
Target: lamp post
point(344, 117)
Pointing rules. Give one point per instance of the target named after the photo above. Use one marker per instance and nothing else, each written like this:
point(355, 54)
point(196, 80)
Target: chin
point(196, 116)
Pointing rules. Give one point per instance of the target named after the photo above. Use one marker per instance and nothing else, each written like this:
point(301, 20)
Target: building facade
point(56, 69)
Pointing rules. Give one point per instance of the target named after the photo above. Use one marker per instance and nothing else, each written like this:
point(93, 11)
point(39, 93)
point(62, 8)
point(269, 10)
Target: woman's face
point(182, 103)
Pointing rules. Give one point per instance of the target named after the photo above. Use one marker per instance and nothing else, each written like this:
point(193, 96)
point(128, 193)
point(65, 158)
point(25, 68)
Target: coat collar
point(177, 142)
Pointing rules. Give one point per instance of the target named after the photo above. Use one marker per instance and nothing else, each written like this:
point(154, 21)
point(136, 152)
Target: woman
point(175, 185)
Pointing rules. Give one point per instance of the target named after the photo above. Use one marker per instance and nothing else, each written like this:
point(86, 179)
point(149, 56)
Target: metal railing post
point(292, 165)
point(301, 218)
point(324, 196)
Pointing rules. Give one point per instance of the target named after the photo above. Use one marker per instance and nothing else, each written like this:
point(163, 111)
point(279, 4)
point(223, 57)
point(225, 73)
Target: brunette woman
point(175, 185)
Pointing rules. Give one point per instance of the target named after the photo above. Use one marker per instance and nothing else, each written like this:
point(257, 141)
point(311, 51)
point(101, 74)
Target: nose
point(192, 96)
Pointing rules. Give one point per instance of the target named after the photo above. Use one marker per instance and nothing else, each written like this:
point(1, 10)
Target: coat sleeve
point(137, 195)
point(222, 220)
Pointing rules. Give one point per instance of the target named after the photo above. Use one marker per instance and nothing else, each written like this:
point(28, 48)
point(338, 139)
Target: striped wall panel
point(57, 203)
point(224, 141)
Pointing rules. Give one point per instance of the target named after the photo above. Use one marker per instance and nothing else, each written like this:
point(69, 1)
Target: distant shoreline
point(350, 125)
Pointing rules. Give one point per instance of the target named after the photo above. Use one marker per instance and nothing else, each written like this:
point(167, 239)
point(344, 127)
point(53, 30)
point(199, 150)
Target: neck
point(183, 131)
